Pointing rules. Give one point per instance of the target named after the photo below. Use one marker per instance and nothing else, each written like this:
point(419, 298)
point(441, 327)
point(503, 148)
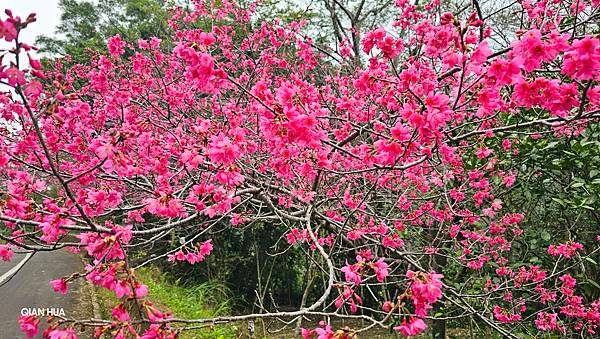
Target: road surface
point(30, 288)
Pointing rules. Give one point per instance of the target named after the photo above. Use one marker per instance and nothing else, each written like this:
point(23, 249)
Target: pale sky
point(48, 16)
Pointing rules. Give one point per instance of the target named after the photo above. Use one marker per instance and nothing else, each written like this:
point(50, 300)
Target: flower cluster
point(193, 256)
point(567, 250)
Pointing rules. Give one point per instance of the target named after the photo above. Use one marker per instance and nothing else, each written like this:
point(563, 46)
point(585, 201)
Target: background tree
point(86, 25)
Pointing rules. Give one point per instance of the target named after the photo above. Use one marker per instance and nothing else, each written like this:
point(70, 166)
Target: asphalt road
point(30, 288)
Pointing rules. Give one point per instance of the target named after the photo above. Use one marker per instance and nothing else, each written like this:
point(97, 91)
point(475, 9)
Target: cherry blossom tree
point(388, 175)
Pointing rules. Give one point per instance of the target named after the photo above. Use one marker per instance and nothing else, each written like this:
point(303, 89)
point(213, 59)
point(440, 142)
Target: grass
point(207, 300)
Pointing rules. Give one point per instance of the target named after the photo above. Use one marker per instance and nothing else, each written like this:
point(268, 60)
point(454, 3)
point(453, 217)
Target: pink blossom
point(156, 331)
point(34, 89)
point(122, 288)
point(143, 44)
point(255, 123)
point(15, 77)
point(201, 69)
point(531, 50)
point(222, 150)
point(155, 42)
point(68, 333)
point(483, 152)
point(426, 289)
point(413, 327)
point(6, 253)
point(7, 30)
point(324, 333)
point(59, 285)
point(505, 316)
point(116, 46)
point(389, 46)
point(193, 257)
point(348, 296)
point(295, 235)
point(505, 72)
point(567, 250)
point(207, 39)
point(387, 306)
point(393, 241)
point(546, 321)
point(351, 273)
point(401, 132)
point(120, 313)
point(509, 179)
point(381, 269)
point(582, 60)
point(165, 206)
point(568, 285)
point(206, 248)
point(29, 325)
point(35, 64)
point(141, 290)
point(306, 333)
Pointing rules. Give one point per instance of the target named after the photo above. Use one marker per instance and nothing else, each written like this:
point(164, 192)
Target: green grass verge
point(206, 300)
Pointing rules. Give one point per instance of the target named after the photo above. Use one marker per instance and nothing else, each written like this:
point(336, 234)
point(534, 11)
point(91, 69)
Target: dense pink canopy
point(373, 162)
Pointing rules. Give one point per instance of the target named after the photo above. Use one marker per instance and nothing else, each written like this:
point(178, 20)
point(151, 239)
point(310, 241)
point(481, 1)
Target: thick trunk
point(438, 326)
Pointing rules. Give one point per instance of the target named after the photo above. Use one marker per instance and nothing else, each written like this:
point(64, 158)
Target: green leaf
point(593, 283)
point(545, 235)
point(560, 201)
point(551, 145)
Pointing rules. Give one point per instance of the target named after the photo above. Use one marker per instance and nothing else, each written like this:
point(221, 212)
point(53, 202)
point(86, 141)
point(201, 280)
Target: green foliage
point(559, 189)
point(208, 299)
point(86, 25)
point(190, 301)
point(243, 261)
